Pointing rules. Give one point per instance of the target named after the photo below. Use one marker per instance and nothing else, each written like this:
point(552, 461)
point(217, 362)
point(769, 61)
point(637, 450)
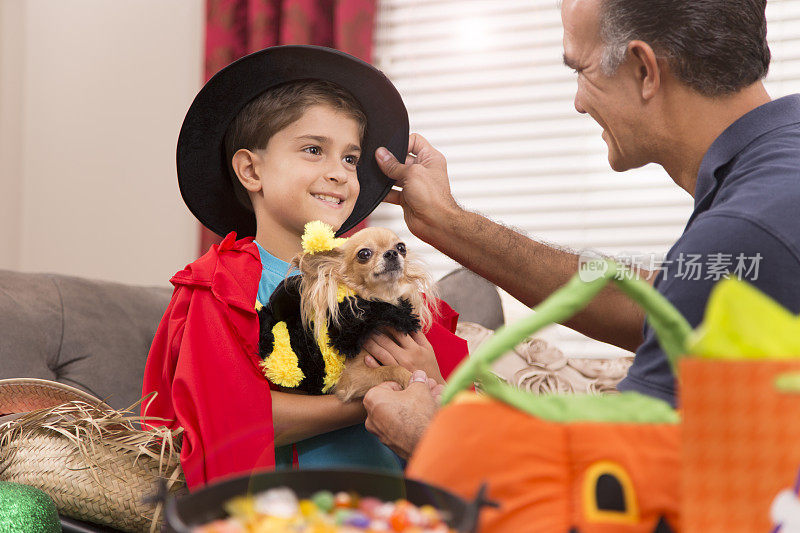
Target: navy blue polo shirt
point(746, 223)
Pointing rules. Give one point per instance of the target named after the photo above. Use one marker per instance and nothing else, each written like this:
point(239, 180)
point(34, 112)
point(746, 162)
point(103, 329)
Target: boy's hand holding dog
point(412, 352)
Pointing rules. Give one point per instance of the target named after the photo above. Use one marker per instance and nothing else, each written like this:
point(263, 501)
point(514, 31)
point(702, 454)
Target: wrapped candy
point(279, 509)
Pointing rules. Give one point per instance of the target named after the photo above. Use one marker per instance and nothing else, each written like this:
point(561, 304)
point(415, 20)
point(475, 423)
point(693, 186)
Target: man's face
point(612, 101)
point(308, 171)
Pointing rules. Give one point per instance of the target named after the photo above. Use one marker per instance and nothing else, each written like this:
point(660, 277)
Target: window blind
point(484, 83)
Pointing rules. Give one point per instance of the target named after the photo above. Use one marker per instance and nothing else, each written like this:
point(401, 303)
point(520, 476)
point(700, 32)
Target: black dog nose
point(390, 255)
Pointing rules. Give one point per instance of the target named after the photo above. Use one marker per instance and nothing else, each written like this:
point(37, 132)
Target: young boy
point(275, 140)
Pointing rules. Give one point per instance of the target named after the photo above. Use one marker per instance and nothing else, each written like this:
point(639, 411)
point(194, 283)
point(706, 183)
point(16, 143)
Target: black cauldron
point(206, 504)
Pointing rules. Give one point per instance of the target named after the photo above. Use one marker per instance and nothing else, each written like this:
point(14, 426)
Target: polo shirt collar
point(737, 136)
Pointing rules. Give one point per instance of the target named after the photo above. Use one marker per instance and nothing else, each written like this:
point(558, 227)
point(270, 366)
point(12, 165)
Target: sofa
point(95, 335)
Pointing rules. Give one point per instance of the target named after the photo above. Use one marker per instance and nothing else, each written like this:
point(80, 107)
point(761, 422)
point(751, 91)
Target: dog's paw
point(355, 382)
point(348, 393)
point(346, 388)
point(402, 376)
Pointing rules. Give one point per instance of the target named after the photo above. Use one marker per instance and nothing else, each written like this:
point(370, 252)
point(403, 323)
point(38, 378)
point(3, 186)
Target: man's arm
point(528, 270)
point(531, 271)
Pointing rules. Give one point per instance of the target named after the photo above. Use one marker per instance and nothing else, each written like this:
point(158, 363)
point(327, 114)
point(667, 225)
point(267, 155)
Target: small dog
point(361, 285)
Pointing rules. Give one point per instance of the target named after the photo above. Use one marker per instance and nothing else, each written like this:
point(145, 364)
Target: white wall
point(92, 95)
point(10, 127)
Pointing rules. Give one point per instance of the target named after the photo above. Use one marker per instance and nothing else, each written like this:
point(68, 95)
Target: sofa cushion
point(90, 334)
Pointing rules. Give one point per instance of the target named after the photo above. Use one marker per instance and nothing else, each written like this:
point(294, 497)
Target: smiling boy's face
point(308, 172)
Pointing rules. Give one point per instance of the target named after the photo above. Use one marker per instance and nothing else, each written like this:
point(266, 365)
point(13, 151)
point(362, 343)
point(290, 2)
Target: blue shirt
point(351, 447)
point(746, 222)
point(273, 271)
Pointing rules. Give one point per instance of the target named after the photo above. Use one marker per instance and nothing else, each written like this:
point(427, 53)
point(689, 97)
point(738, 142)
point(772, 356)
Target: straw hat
point(21, 395)
point(92, 460)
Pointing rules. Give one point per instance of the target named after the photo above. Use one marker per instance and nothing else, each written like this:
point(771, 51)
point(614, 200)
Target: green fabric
point(670, 327)
point(625, 408)
point(742, 322)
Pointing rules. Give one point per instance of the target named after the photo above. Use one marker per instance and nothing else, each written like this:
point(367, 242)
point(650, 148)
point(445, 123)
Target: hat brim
point(21, 395)
point(201, 162)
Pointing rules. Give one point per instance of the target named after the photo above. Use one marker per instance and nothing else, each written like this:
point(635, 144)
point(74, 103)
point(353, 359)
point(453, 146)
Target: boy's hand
point(297, 417)
point(426, 198)
point(412, 352)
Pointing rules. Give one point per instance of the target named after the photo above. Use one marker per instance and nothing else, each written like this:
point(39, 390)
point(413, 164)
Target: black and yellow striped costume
point(292, 358)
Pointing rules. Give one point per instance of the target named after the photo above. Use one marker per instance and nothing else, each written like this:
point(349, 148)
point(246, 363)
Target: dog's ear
point(321, 272)
point(318, 265)
point(423, 291)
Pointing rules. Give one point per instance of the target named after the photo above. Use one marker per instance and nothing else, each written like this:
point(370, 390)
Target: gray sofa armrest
point(474, 298)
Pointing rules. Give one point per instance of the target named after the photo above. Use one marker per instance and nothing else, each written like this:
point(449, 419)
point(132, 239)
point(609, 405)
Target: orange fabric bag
point(545, 475)
point(564, 464)
point(741, 442)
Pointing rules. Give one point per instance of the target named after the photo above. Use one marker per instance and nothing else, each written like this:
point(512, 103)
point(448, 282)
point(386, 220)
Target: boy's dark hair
point(275, 109)
point(714, 46)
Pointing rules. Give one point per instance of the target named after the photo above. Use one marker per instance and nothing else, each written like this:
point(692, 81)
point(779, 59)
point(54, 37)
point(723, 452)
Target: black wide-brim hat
point(203, 175)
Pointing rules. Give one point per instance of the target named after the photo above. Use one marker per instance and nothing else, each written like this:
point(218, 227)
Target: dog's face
point(374, 264)
point(374, 261)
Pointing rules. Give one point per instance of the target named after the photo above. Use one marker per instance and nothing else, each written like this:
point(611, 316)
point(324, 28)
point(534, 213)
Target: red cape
point(204, 364)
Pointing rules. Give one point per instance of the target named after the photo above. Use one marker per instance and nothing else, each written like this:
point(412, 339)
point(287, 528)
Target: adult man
point(671, 82)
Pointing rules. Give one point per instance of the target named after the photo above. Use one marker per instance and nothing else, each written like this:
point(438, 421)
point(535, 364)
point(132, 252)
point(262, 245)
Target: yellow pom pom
point(319, 237)
point(334, 362)
point(281, 367)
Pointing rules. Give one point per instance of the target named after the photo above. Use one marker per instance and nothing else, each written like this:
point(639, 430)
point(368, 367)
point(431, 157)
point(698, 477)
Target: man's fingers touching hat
point(394, 197)
point(389, 164)
point(417, 144)
point(425, 154)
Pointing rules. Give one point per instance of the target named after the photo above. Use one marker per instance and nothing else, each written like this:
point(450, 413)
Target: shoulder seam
point(758, 224)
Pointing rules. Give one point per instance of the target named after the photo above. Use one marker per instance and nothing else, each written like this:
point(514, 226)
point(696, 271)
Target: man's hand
point(399, 417)
point(412, 352)
point(426, 198)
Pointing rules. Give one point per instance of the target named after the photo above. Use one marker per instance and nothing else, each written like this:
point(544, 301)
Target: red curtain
point(235, 28)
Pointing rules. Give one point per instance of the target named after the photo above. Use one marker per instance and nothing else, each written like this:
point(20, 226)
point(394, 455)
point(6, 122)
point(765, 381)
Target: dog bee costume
point(290, 355)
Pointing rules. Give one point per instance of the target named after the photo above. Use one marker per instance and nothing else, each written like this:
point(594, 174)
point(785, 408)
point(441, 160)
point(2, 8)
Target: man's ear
point(245, 163)
point(646, 68)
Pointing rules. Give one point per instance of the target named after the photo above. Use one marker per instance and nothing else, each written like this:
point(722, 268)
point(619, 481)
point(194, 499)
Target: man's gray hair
point(615, 39)
point(714, 46)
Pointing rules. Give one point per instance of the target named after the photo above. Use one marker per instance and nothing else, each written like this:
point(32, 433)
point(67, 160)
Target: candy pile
point(279, 510)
